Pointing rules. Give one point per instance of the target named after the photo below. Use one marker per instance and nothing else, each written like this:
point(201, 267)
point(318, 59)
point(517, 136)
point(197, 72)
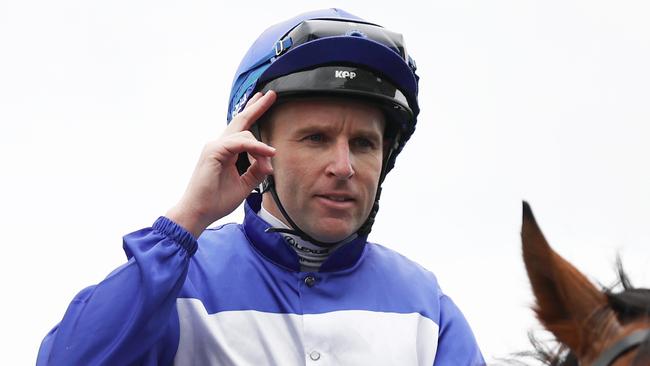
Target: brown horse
point(595, 327)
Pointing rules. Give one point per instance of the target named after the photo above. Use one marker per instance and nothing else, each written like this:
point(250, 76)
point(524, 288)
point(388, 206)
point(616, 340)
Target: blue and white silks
point(237, 297)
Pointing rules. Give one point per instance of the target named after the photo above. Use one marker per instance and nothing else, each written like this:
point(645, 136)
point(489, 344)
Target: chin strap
point(364, 230)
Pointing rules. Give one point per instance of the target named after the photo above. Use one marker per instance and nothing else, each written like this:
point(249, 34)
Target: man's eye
point(364, 143)
point(315, 137)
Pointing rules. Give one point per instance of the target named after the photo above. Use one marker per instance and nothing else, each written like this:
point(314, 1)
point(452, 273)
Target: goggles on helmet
point(310, 30)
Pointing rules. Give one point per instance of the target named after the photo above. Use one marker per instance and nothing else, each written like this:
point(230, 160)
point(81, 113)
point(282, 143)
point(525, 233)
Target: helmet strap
point(364, 230)
point(269, 185)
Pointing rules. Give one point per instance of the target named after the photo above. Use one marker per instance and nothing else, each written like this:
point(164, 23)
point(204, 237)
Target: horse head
point(598, 327)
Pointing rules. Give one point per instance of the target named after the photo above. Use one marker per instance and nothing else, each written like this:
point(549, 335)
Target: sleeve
point(130, 317)
point(456, 343)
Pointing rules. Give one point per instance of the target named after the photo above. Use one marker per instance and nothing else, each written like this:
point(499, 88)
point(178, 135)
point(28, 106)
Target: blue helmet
point(332, 53)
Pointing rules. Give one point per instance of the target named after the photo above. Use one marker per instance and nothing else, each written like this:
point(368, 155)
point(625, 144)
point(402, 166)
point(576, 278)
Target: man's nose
point(340, 165)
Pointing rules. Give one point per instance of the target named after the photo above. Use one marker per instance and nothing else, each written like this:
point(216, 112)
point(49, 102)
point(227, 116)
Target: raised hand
point(216, 188)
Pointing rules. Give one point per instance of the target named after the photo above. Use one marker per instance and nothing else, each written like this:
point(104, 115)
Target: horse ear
point(566, 300)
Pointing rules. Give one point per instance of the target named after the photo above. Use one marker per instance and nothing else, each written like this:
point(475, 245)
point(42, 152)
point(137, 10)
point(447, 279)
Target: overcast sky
point(105, 106)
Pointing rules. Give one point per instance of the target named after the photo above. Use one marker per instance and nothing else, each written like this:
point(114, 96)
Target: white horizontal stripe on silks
point(347, 337)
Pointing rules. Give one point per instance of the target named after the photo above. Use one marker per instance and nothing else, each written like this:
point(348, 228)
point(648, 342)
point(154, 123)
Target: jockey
point(320, 107)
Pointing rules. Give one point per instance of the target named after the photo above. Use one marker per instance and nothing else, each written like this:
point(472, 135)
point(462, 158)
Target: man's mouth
point(337, 198)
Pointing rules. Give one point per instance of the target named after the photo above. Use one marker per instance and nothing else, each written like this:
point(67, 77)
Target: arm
point(118, 321)
point(130, 317)
point(456, 343)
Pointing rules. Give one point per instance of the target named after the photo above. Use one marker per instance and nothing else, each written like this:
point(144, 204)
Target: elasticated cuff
point(177, 233)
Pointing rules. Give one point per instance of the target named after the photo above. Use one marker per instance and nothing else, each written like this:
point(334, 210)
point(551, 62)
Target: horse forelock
point(631, 304)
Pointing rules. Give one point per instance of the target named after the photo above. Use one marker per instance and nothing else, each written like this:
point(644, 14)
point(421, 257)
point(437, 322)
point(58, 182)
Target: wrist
point(187, 219)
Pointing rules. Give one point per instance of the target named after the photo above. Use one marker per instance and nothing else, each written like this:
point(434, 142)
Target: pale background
point(105, 106)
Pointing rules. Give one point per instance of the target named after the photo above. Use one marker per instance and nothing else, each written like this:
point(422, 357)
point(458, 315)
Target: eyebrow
point(302, 130)
point(328, 128)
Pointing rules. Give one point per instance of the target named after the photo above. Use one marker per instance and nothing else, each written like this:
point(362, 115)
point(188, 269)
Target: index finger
point(251, 113)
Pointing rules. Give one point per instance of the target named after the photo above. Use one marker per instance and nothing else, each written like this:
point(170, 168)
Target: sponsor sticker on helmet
point(344, 74)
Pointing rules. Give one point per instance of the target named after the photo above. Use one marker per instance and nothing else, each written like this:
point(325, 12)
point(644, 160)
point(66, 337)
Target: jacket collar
point(274, 248)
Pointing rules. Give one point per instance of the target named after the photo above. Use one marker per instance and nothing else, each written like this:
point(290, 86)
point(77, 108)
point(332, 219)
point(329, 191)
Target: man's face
point(327, 164)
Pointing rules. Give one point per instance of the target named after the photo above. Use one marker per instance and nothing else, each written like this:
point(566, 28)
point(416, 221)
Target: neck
point(310, 255)
point(270, 208)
